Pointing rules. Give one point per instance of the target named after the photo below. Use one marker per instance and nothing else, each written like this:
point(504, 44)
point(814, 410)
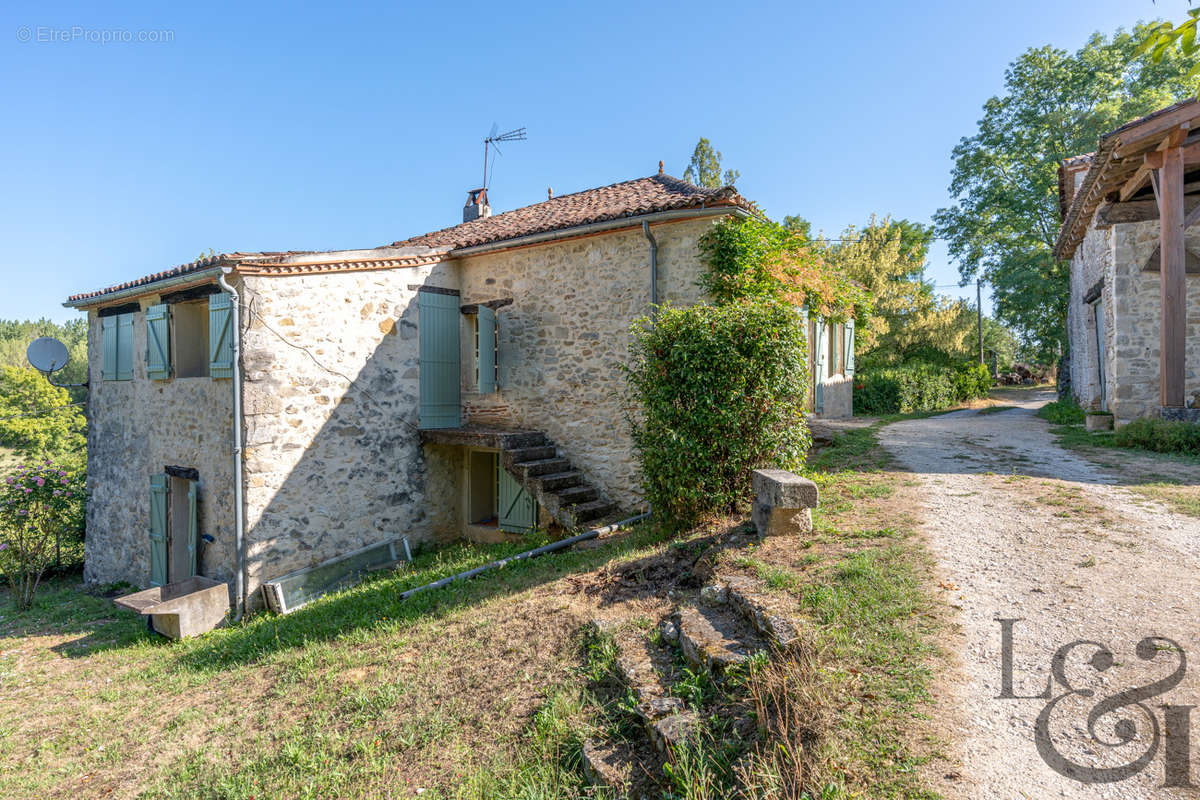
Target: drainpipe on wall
point(238, 494)
point(653, 268)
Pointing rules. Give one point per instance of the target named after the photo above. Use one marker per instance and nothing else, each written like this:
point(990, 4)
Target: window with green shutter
point(116, 332)
point(158, 342)
point(220, 336)
point(485, 350)
point(822, 352)
point(440, 375)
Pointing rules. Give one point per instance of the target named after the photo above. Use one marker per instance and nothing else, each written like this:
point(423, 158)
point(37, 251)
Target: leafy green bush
point(40, 506)
point(1161, 436)
point(971, 381)
point(715, 392)
point(918, 386)
point(1062, 412)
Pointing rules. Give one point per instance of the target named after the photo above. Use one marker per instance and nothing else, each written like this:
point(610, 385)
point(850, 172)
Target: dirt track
point(1021, 528)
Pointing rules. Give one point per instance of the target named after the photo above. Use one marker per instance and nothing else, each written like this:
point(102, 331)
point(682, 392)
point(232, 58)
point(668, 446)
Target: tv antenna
point(492, 141)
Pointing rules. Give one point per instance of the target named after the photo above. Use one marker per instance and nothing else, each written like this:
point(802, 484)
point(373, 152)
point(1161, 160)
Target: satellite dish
point(47, 355)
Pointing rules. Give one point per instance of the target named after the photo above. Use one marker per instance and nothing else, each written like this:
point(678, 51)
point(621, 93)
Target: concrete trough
point(188, 607)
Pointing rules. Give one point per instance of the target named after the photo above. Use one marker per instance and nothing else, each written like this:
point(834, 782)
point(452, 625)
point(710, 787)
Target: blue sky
point(275, 126)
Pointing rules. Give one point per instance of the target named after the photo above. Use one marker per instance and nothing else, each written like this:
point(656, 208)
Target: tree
point(1004, 219)
point(799, 226)
point(1162, 38)
point(37, 419)
point(754, 258)
point(705, 167)
point(888, 259)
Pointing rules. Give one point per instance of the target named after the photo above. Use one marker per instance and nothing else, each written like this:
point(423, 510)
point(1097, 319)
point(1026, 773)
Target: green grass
point(481, 689)
point(358, 694)
point(995, 409)
point(1062, 412)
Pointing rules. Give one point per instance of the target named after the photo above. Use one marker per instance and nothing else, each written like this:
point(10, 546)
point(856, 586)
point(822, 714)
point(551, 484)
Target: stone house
point(1133, 318)
point(462, 383)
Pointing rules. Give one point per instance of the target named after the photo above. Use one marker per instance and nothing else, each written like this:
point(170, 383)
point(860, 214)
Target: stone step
point(558, 480)
point(523, 454)
point(575, 515)
point(715, 638)
point(648, 670)
point(541, 466)
point(576, 494)
point(523, 439)
point(609, 765)
point(745, 596)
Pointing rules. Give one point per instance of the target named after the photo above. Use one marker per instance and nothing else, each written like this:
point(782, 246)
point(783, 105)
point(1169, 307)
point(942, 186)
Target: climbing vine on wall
point(753, 258)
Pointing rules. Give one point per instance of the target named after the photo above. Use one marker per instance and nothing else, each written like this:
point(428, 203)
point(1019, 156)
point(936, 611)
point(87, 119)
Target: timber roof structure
point(1121, 170)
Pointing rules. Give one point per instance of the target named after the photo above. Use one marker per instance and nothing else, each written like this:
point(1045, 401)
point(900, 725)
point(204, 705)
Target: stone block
point(783, 502)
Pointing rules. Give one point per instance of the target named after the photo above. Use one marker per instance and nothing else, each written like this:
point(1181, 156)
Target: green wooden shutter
point(849, 345)
point(125, 347)
point(193, 527)
point(822, 352)
point(440, 377)
point(158, 342)
point(220, 336)
point(487, 350)
point(108, 334)
point(158, 530)
point(518, 510)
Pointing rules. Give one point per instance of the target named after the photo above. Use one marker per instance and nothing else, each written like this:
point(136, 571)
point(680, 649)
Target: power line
point(352, 384)
point(41, 413)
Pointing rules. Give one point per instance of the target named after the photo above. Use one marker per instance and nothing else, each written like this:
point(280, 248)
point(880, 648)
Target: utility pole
point(979, 312)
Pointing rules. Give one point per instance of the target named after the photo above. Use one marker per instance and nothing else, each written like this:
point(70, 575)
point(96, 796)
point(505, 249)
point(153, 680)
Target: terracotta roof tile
point(627, 199)
point(199, 265)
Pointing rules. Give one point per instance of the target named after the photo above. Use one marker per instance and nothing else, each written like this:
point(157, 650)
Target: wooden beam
point(1192, 217)
point(1139, 179)
point(1173, 281)
point(1154, 262)
point(1137, 211)
point(1134, 140)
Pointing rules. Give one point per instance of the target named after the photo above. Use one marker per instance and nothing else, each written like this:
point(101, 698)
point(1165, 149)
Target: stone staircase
point(727, 623)
point(533, 459)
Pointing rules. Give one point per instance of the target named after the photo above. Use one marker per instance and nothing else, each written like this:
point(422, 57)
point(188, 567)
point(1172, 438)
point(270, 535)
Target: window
point(117, 334)
point(190, 339)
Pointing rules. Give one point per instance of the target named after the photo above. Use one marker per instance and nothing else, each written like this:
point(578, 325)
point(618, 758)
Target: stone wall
point(1137, 315)
point(837, 396)
point(564, 337)
point(333, 460)
point(136, 429)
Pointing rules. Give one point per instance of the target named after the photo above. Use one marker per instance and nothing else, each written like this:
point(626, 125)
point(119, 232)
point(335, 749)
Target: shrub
point(918, 386)
point(1160, 435)
point(39, 507)
point(36, 417)
point(1062, 412)
point(714, 392)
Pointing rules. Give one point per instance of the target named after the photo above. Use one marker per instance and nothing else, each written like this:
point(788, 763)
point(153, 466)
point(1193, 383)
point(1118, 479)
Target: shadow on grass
point(376, 604)
point(61, 607)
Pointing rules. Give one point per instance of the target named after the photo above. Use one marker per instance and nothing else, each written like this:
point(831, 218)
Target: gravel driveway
point(1023, 529)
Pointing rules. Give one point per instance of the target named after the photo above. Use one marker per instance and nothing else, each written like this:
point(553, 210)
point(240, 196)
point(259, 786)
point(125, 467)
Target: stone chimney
point(477, 205)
